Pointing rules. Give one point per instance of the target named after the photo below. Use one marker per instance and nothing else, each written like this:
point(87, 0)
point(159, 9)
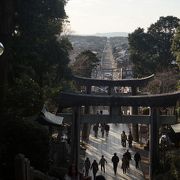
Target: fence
point(24, 171)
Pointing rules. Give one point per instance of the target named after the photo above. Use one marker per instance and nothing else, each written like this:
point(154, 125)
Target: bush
point(26, 137)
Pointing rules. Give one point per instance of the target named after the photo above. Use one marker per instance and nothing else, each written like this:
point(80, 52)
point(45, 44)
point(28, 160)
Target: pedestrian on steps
point(107, 129)
point(137, 158)
point(115, 161)
point(124, 164)
point(128, 157)
point(130, 139)
point(123, 139)
point(95, 129)
point(102, 162)
point(94, 168)
point(100, 177)
point(102, 129)
point(87, 165)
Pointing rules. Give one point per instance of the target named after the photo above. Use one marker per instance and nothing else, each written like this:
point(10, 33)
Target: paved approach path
point(107, 146)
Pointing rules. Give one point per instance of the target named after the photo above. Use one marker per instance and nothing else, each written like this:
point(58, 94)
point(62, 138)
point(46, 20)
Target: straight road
point(108, 64)
point(107, 146)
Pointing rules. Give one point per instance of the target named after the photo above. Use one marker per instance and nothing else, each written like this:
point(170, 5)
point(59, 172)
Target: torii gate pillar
point(86, 126)
point(75, 144)
point(135, 131)
point(154, 141)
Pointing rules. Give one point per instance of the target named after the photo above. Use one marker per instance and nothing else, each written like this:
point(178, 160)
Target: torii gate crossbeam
point(153, 101)
point(124, 119)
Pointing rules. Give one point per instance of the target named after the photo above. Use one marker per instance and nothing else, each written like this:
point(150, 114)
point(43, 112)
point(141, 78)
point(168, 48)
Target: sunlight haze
point(100, 16)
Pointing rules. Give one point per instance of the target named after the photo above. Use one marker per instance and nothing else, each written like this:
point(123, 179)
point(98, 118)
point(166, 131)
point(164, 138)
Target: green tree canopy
point(142, 52)
point(176, 46)
point(151, 52)
point(36, 51)
point(35, 38)
point(84, 64)
point(163, 82)
point(36, 62)
point(163, 31)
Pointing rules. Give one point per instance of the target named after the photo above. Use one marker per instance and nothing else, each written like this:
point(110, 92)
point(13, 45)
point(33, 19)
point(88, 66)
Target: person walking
point(94, 168)
point(107, 129)
point(102, 129)
point(124, 164)
point(130, 139)
point(95, 129)
point(123, 139)
point(128, 157)
point(102, 163)
point(137, 158)
point(100, 177)
point(87, 165)
point(115, 161)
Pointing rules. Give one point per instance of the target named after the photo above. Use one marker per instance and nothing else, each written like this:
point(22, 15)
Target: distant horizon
point(89, 17)
point(105, 34)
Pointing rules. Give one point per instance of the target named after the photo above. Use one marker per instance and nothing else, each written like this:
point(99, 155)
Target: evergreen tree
point(151, 52)
point(176, 46)
point(33, 67)
point(34, 49)
point(84, 64)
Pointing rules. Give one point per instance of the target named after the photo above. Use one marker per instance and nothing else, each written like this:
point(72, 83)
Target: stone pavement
point(107, 146)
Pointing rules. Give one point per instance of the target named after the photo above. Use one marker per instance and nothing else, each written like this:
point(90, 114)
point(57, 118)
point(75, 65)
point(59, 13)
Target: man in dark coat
point(137, 158)
point(115, 161)
point(87, 165)
point(128, 156)
point(130, 139)
point(94, 168)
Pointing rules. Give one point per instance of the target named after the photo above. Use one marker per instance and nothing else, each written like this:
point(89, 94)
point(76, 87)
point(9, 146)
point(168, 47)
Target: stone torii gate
point(76, 101)
point(132, 83)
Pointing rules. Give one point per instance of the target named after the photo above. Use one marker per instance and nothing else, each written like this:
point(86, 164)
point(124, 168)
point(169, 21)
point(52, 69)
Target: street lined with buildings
point(108, 145)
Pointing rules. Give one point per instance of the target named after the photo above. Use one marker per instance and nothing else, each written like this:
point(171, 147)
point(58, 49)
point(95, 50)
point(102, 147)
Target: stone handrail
point(24, 171)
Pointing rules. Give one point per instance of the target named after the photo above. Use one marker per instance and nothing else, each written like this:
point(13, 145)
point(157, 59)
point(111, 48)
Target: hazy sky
point(98, 16)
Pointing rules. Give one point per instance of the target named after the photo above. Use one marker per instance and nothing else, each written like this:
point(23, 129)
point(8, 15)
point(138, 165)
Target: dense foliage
point(157, 51)
point(151, 51)
point(176, 46)
point(24, 137)
point(33, 68)
point(84, 64)
point(170, 169)
point(163, 82)
point(35, 52)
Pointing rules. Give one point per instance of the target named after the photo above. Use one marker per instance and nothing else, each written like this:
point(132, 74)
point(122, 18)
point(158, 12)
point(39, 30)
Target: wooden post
point(110, 89)
point(109, 93)
point(20, 167)
point(88, 89)
point(31, 176)
point(27, 168)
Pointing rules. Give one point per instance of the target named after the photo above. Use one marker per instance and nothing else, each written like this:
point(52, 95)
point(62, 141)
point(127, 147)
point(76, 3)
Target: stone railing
point(24, 171)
